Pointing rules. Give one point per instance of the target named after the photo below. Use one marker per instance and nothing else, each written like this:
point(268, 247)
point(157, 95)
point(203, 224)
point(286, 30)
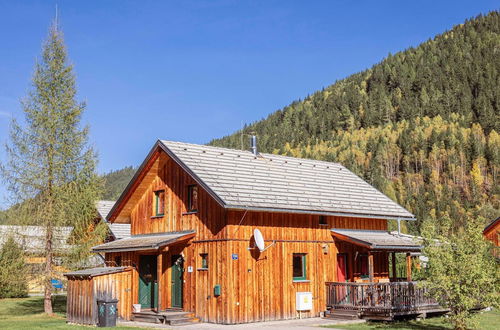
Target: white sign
point(190, 269)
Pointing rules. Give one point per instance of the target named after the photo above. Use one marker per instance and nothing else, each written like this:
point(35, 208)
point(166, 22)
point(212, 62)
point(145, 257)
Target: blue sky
point(195, 70)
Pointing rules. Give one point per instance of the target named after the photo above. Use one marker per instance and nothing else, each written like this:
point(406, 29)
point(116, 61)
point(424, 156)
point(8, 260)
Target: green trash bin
point(107, 312)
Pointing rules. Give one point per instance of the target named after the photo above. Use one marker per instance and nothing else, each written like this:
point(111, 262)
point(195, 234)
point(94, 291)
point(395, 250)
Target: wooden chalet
point(492, 233)
point(193, 210)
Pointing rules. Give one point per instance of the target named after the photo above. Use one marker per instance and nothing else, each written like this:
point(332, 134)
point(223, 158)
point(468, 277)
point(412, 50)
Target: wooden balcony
point(381, 301)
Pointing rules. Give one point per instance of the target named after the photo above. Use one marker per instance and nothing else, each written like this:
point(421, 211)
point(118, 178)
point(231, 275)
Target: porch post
point(370, 266)
point(159, 266)
point(408, 267)
point(394, 276)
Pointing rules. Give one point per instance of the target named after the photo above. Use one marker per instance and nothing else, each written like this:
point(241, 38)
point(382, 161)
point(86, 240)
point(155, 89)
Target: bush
point(13, 282)
point(462, 273)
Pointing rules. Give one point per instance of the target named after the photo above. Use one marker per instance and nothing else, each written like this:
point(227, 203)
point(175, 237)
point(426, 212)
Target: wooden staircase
point(342, 314)
point(170, 317)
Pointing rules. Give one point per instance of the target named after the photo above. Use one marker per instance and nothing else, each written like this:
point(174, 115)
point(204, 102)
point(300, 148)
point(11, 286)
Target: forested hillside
point(116, 181)
point(422, 125)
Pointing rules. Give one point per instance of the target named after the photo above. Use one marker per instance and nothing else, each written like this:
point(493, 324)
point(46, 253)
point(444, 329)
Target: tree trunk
point(47, 302)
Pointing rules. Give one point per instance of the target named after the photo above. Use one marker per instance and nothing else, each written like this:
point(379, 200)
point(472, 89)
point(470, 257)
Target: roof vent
point(253, 144)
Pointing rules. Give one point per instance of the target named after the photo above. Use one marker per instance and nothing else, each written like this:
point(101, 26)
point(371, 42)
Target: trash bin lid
point(107, 300)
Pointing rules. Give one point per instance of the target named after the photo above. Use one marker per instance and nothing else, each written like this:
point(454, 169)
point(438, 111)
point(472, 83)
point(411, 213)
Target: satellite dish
point(259, 240)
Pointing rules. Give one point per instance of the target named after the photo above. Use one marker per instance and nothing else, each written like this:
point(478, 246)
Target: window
point(363, 265)
point(192, 198)
point(118, 261)
point(299, 267)
point(204, 260)
point(159, 203)
point(322, 220)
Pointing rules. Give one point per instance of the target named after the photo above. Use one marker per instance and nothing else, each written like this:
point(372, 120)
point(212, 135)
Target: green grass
point(27, 313)
point(487, 321)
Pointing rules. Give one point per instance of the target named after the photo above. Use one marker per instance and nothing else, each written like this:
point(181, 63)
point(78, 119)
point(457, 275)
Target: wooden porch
point(380, 301)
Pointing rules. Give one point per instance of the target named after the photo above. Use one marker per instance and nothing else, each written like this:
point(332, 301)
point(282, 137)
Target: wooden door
point(177, 280)
point(148, 283)
point(341, 267)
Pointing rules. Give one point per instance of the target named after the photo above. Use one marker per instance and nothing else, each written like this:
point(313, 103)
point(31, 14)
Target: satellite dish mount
point(259, 241)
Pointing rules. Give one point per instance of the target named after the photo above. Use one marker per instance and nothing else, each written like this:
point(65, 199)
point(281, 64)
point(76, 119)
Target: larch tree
point(50, 167)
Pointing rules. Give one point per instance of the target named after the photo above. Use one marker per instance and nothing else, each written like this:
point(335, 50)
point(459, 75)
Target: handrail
point(394, 296)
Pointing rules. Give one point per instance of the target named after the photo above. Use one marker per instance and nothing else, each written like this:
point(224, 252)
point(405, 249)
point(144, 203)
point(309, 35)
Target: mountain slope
point(421, 125)
point(116, 181)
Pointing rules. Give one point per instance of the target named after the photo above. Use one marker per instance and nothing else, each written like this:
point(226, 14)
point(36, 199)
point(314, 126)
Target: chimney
point(253, 144)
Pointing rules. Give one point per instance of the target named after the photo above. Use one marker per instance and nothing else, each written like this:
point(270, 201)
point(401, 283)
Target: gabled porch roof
point(379, 239)
point(144, 242)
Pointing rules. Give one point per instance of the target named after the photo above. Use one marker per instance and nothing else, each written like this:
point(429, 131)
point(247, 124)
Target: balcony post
point(394, 275)
point(370, 266)
point(408, 267)
point(159, 272)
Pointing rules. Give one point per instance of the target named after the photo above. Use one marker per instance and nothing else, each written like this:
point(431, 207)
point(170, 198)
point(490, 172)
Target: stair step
point(178, 316)
point(147, 318)
point(344, 311)
point(183, 321)
point(342, 314)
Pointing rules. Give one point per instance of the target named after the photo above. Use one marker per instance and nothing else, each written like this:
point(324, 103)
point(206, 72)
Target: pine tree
point(50, 167)
point(12, 265)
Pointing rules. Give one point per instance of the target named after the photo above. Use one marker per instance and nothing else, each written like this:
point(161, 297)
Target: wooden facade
point(253, 286)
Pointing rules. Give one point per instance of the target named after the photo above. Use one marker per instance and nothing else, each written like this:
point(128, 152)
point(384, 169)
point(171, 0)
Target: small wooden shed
point(87, 286)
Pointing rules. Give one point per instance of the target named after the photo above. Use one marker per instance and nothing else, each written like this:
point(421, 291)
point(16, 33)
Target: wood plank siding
point(254, 286)
point(84, 291)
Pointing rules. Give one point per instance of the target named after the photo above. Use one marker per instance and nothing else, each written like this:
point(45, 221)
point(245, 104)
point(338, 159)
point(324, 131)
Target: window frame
point(191, 188)
point(303, 258)
point(157, 204)
point(203, 261)
point(323, 221)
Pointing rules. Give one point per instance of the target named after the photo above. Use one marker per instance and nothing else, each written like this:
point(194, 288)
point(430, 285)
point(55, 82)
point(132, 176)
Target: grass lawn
point(487, 321)
point(27, 313)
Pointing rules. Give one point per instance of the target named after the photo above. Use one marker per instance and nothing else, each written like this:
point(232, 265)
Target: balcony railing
point(393, 297)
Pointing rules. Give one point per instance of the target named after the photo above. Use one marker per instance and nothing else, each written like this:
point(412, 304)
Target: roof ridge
point(249, 153)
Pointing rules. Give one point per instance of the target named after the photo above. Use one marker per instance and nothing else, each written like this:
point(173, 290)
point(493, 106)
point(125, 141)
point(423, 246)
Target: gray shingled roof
point(239, 180)
point(142, 242)
point(118, 230)
point(32, 238)
point(91, 272)
point(103, 207)
point(379, 239)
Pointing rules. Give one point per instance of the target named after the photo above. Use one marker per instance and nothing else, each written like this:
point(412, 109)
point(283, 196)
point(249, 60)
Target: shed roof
point(144, 242)
point(240, 180)
point(379, 239)
point(91, 272)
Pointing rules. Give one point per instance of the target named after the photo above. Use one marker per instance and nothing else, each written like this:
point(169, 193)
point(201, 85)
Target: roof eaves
point(491, 224)
point(132, 181)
